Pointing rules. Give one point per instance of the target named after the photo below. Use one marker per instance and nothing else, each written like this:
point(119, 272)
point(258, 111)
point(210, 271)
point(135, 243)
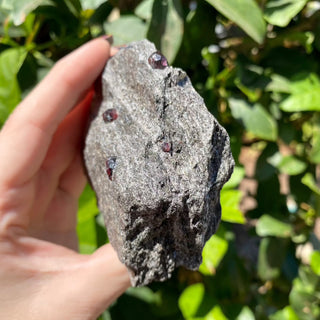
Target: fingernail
point(109, 38)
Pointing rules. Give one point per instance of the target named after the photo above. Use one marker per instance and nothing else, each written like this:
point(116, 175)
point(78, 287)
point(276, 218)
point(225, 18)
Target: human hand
point(42, 177)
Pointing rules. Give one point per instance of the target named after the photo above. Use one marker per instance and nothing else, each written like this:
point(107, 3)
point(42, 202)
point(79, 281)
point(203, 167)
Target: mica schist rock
point(157, 160)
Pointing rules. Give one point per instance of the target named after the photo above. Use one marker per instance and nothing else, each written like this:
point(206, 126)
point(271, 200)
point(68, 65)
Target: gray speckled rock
point(158, 168)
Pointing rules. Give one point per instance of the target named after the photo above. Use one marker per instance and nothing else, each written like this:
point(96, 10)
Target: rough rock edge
point(124, 231)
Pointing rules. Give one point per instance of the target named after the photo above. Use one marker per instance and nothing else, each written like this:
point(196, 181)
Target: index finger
point(26, 136)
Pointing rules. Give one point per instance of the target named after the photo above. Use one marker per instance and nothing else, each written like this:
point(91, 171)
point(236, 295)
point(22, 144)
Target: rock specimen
point(157, 160)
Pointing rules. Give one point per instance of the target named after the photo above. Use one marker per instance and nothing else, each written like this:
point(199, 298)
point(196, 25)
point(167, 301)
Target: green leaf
point(305, 94)
point(191, 299)
point(126, 29)
point(287, 164)
point(270, 226)
point(90, 227)
point(305, 39)
point(314, 154)
point(144, 10)
point(305, 295)
point(11, 61)
point(216, 314)
point(230, 200)
point(145, 294)
point(278, 83)
point(255, 118)
point(311, 133)
point(91, 4)
point(87, 236)
point(309, 181)
point(286, 313)
point(237, 176)
point(315, 262)
point(272, 252)
point(212, 61)
point(105, 316)
point(245, 314)
point(19, 9)
point(281, 12)
point(212, 254)
point(245, 13)
point(252, 94)
point(87, 205)
point(166, 27)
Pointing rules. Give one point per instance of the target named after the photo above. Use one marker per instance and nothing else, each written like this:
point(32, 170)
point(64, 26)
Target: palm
point(59, 183)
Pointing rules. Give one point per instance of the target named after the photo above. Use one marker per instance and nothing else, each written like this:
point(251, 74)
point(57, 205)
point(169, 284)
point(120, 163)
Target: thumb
point(104, 278)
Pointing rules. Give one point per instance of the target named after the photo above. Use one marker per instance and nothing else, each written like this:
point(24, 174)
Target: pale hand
point(42, 277)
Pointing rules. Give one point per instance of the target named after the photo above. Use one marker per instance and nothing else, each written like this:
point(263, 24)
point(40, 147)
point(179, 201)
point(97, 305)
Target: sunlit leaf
point(11, 61)
point(87, 236)
point(310, 182)
point(304, 296)
point(278, 83)
point(212, 254)
point(166, 27)
point(87, 205)
point(19, 9)
point(287, 164)
point(246, 314)
point(286, 313)
point(91, 4)
point(255, 118)
point(236, 177)
point(281, 12)
point(305, 39)
point(230, 200)
point(216, 314)
point(126, 29)
point(191, 299)
point(305, 94)
point(245, 13)
point(270, 226)
point(311, 131)
point(144, 293)
point(144, 10)
point(315, 262)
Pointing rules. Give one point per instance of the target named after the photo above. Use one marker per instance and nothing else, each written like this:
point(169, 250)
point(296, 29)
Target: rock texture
point(157, 160)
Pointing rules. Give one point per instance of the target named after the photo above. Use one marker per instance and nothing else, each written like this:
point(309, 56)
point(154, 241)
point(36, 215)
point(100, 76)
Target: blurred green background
point(256, 63)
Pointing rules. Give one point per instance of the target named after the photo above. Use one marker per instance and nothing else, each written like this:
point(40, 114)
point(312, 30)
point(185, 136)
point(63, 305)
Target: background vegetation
point(256, 63)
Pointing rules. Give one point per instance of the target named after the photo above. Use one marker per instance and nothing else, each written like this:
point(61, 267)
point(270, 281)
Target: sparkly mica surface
point(172, 159)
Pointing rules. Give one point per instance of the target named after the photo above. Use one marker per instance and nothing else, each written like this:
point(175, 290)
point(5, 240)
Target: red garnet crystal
point(110, 165)
point(110, 115)
point(166, 147)
point(158, 61)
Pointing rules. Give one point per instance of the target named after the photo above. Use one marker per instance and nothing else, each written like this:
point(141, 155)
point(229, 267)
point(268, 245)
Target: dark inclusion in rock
point(110, 115)
point(158, 61)
point(110, 165)
point(159, 210)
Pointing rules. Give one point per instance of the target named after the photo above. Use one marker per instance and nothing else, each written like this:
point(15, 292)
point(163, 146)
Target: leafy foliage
point(256, 63)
